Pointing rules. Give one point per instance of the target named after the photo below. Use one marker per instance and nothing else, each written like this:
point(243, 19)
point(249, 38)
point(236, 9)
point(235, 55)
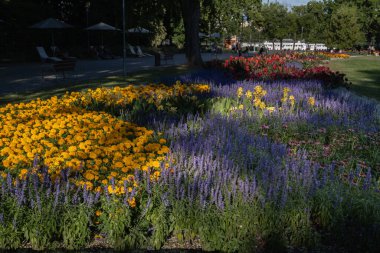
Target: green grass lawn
point(363, 72)
point(59, 88)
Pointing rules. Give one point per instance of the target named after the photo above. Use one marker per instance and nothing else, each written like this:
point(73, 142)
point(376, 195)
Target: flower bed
point(263, 166)
point(278, 67)
point(61, 134)
point(335, 55)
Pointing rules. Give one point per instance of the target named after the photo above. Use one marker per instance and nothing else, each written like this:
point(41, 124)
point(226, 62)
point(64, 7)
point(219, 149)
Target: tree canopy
point(339, 23)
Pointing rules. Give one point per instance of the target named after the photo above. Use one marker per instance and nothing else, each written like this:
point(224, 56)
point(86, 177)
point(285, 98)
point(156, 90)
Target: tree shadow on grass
point(367, 84)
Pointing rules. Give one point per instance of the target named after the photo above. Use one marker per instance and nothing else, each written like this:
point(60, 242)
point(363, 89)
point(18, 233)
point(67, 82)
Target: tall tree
point(228, 15)
point(278, 22)
point(191, 12)
point(312, 21)
point(368, 15)
point(345, 30)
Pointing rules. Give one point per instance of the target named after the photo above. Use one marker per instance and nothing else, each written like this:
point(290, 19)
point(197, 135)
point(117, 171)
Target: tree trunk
point(191, 12)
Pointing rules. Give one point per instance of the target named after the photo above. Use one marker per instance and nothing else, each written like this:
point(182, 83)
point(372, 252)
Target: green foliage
point(312, 21)
point(76, 226)
point(348, 212)
point(278, 23)
point(41, 227)
point(345, 30)
point(121, 226)
point(10, 237)
point(227, 16)
point(178, 37)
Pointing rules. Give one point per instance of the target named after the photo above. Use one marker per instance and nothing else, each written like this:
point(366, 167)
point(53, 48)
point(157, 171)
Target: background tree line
point(338, 23)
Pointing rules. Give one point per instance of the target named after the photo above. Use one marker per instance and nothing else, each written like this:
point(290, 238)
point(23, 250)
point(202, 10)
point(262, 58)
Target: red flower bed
point(283, 67)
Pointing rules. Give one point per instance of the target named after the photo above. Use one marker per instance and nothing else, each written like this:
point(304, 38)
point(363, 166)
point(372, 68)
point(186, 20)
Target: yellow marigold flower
point(111, 190)
point(98, 213)
point(72, 149)
point(155, 164)
point(156, 175)
point(23, 173)
point(93, 155)
point(132, 202)
point(89, 176)
point(241, 107)
point(89, 185)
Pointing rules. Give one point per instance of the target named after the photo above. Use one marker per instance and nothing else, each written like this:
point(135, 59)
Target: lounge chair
point(140, 52)
point(133, 52)
point(44, 57)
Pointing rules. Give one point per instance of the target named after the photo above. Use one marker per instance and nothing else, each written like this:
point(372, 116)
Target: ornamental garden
point(269, 153)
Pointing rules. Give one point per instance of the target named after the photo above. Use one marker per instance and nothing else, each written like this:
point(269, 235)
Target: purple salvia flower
point(113, 183)
point(32, 203)
point(35, 184)
point(14, 223)
point(133, 193)
point(48, 192)
point(56, 193)
point(90, 199)
point(85, 193)
point(368, 179)
point(125, 186)
point(75, 199)
point(137, 176)
point(220, 201)
point(146, 207)
point(202, 200)
point(165, 199)
point(182, 193)
point(35, 161)
point(106, 193)
point(16, 187)
point(9, 182)
point(21, 197)
point(97, 197)
point(3, 189)
point(148, 188)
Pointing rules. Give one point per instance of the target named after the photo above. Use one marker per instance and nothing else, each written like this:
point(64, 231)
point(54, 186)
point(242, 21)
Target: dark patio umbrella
point(51, 24)
point(102, 27)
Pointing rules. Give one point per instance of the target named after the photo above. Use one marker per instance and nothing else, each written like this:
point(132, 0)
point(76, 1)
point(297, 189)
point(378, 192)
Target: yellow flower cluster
point(258, 94)
point(239, 92)
point(152, 93)
point(95, 144)
point(311, 101)
point(285, 95)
